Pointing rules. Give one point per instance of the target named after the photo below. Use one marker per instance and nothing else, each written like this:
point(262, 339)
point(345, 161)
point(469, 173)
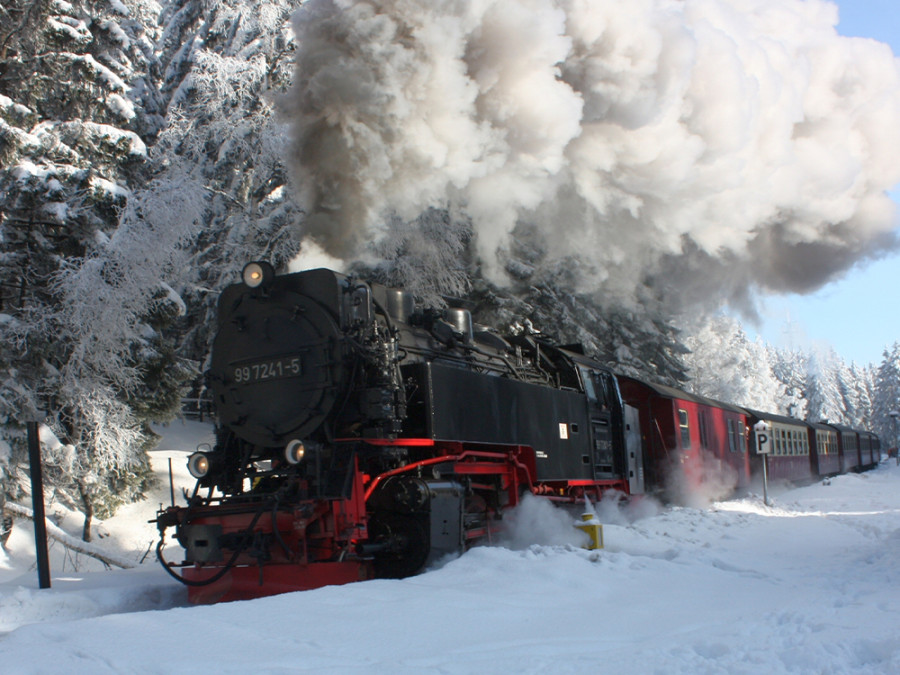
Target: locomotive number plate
point(269, 369)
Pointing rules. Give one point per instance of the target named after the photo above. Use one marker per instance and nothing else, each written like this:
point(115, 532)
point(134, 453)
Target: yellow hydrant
point(594, 530)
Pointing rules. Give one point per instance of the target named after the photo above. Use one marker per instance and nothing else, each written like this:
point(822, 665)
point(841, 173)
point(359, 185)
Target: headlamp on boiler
point(258, 274)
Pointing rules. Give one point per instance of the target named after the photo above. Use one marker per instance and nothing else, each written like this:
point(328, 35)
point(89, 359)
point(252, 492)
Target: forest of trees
point(811, 384)
point(142, 164)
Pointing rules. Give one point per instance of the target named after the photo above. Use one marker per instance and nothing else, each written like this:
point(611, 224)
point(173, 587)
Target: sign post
point(37, 503)
point(762, 430)
point(894, 415)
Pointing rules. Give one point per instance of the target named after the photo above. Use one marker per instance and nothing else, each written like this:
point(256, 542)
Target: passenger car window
point(684, 424)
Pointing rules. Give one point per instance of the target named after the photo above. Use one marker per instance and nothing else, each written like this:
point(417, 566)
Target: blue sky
point(860, 314)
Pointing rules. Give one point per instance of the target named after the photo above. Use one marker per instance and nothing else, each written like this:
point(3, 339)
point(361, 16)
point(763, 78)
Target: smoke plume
point(714, 147)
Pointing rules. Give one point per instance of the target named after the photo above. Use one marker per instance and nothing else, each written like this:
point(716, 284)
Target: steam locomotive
point(359, 436)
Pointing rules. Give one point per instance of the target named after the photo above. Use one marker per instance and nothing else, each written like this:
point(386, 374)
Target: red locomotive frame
point(314, 535)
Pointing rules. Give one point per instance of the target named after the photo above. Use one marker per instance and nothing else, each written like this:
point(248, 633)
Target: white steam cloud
point(743, 139)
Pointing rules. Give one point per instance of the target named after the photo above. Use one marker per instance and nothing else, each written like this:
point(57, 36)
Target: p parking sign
point(763, 444)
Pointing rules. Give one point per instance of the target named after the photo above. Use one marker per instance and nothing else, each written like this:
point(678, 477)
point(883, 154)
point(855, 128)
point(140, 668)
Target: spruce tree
point(823, 394)
point(77, 111)
point(224, 65)
point(887, 397)
point(789, 367)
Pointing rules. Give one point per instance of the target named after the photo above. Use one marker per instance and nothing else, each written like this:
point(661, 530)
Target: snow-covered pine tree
point(725, 365)
point(852, 392)
point(77, 106)
point(823, 393)
point(864, 384)
point(789, 368)
point(224, 64)
point(887, 397)
point(121, 370)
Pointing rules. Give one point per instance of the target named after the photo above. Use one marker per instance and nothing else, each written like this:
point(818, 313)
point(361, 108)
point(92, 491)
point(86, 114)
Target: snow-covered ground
point(810, 584)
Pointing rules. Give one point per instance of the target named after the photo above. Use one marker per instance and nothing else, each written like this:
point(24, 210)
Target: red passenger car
point(691, 444)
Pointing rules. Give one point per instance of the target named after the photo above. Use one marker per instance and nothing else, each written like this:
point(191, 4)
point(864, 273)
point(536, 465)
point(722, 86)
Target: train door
point(600, 390)
point(634, 451)
point(703, 427)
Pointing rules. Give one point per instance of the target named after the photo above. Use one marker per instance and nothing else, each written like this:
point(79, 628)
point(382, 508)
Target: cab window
point(602, 385)
point(588, 384)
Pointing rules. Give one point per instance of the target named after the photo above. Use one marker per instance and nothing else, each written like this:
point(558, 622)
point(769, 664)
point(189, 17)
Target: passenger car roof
point(671, 392)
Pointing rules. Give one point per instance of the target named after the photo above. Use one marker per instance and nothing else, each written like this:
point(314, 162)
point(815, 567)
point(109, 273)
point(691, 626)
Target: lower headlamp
point(198, 465)
point(294, 452)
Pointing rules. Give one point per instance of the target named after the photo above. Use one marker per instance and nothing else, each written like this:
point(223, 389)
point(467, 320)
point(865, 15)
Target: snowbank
point(810, 584)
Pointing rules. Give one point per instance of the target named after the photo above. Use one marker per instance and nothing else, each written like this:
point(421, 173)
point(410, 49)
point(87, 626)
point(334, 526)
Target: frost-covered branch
point(57, 533)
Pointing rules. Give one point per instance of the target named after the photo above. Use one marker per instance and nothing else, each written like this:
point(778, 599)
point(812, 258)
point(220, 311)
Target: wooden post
point(37, 502)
